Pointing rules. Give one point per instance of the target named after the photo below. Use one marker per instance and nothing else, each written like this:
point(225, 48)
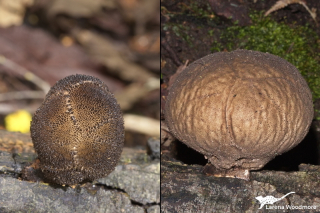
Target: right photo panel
point(240, 106)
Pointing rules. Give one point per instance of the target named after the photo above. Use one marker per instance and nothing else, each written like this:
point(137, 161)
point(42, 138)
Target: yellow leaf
point(18, 121)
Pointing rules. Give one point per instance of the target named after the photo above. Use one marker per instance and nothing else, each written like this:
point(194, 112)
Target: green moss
point(190, 15)
point(297, 44)
point(181, 31)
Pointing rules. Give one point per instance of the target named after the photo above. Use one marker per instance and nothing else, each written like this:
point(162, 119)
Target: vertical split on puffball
point(78, 131)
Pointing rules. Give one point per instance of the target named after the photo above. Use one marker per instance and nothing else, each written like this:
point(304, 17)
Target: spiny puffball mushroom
point(78, 131)
point(239, 109)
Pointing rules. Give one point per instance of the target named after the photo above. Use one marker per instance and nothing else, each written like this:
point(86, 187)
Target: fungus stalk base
point(234, 172)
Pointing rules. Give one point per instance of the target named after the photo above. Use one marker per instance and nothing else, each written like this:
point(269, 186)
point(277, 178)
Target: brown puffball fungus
point(78, 131)
point(239, 109)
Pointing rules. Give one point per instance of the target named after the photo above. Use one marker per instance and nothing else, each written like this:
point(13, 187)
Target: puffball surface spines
point(78, 131)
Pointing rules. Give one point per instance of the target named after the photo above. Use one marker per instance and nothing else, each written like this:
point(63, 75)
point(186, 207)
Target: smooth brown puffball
point(240, 109)
point(78, 131)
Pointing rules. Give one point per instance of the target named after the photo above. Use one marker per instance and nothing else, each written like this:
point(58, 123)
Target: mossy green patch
point(181, 31)
point(297, 44)
point(190, 16)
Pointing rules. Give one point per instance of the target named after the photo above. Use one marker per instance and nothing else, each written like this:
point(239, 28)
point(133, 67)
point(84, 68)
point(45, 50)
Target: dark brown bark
point(184, 188)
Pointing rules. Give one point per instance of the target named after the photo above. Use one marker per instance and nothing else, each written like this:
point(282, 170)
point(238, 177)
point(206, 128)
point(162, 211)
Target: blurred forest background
point(43, 41)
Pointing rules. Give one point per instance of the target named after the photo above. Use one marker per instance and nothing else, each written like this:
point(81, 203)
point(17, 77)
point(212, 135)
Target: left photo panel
point(80, 106)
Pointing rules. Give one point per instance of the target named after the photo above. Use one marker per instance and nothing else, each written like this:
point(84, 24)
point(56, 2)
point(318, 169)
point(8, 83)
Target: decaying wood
point(132, 187)
point(185, 189)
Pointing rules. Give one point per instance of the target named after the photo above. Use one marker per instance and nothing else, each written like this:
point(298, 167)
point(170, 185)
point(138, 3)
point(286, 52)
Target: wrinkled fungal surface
point(239, 109)
point(78, 131)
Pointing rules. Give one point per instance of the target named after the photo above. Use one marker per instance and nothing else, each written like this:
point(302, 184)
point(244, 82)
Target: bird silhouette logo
point(270, 199)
